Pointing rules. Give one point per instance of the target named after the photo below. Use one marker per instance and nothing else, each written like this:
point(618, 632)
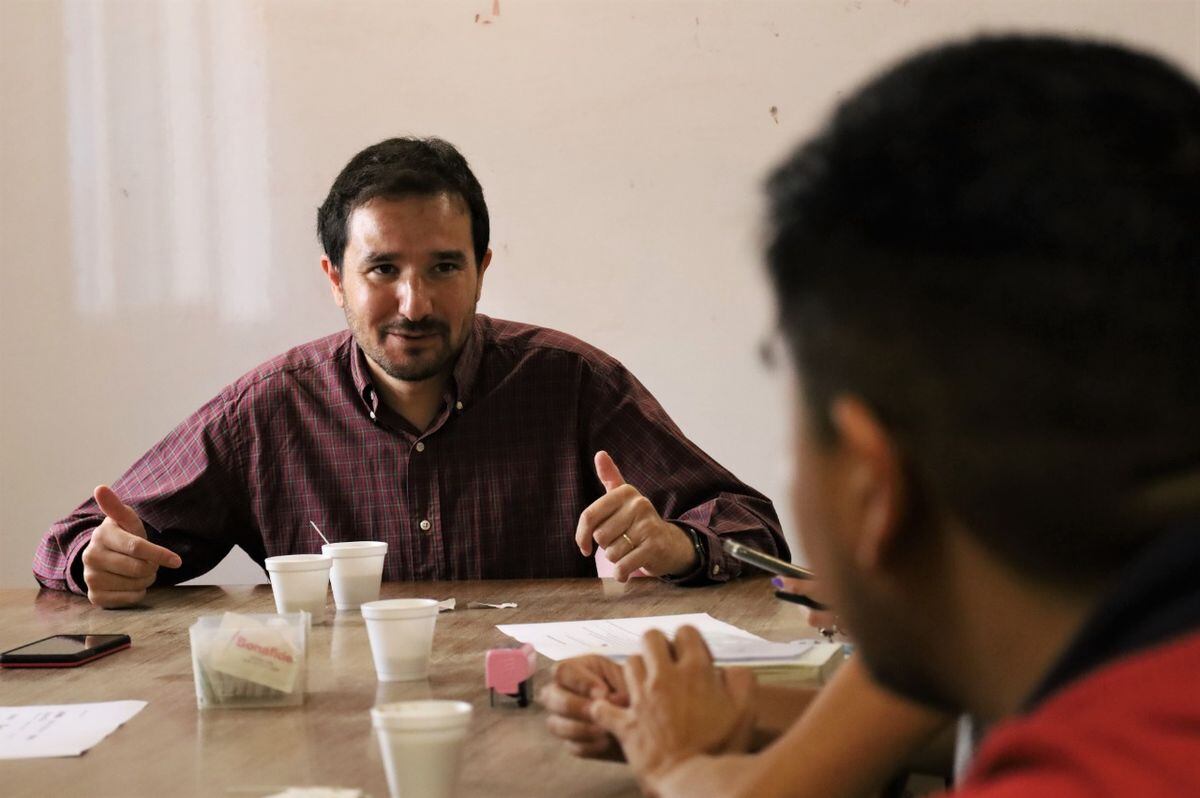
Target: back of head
point(395, 168)
point(996, 244)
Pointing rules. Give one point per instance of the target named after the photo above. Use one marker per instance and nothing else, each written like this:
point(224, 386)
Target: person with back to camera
point(476, 448)
point(987, 268)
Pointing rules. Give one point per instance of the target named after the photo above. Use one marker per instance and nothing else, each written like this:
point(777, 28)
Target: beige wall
point(162, 161)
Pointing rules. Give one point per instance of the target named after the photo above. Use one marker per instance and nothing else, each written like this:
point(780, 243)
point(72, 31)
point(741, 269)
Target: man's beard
point(911, 681)
point(890, 646)
point(416, 369)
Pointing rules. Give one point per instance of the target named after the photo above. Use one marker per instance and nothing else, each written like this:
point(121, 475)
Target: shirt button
point(420, 446)
point(458, 405)
point(716, 569)
point(372, 414)
point(425, 525)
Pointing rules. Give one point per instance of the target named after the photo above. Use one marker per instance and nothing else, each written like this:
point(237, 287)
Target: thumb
point(607, 715)
point(741, 683)
point(120, 512)
point(607, 471)
point(578, 675)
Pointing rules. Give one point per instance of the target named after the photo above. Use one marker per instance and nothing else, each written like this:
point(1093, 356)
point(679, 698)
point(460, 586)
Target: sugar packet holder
point(250, 660)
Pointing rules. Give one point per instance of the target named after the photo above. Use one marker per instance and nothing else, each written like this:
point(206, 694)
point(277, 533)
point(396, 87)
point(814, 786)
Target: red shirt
point(492, 489)
point(1129, 728)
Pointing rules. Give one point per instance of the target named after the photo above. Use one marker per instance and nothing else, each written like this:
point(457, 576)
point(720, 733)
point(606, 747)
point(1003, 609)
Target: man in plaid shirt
point(477, 448)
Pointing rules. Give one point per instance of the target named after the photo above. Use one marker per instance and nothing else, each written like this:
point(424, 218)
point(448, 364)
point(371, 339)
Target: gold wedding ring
point(629, 540)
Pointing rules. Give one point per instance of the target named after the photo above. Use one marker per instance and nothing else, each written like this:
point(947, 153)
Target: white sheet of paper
point(60, 729)
point(620, 637)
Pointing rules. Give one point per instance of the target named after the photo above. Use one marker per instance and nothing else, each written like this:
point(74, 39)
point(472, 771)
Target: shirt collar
point(361, 375)
point(1156, 598)
point(466, 368)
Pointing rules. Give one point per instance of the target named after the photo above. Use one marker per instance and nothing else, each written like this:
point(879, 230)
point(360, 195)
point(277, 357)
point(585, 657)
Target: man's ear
point(483, 264)
point(875, 479)
point(335, 281)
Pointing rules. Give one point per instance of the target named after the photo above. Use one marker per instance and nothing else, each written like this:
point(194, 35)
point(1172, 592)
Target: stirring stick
point(319, 532)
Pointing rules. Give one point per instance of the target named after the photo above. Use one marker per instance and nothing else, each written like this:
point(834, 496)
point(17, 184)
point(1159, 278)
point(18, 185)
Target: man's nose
point(415, 300)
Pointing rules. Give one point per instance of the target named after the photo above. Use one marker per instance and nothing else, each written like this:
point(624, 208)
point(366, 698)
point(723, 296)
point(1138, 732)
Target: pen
point(799, 598)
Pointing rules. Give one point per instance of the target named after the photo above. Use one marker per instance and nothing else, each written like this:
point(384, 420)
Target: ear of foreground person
point(987, 268)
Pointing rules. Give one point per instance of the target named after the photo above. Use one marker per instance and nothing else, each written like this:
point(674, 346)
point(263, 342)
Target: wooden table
point(172, 748)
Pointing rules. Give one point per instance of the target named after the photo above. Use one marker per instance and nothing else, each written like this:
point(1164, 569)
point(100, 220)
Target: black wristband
point(701, 554)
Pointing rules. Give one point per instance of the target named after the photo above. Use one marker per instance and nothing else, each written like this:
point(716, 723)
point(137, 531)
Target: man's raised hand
point(119, 563)
point(633, 535)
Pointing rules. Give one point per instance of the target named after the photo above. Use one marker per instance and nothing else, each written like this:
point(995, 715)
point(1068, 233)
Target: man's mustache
point(423, 327)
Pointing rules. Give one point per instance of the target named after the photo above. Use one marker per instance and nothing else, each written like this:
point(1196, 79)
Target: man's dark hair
point(996, 245)
point(395, 168)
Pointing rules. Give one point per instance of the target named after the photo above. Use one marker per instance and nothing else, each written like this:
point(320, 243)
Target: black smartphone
point(766, 561)
point(63, 651)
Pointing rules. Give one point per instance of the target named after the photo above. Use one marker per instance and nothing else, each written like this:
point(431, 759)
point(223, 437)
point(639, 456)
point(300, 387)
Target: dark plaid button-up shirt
point(492, 489)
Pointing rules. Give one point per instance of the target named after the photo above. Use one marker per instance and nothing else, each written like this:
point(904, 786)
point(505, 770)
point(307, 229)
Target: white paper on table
point(621, 637)
point(60, 729)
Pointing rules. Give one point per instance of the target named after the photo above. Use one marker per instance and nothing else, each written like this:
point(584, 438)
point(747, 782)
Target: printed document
point(60, 729)
point(621, 637)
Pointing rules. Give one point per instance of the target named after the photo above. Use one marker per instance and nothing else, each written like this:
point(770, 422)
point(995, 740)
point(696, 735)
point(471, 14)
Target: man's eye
point(383, 269)
point(446, 268)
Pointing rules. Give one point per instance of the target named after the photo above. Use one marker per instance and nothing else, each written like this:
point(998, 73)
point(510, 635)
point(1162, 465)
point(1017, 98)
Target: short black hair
point(996, 245)
point(400, 167)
